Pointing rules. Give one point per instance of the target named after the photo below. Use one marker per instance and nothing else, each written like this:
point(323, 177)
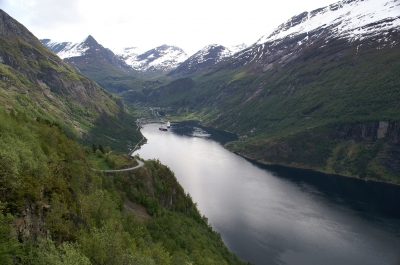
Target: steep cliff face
point(390, 157)
point(368, 133)
point(388, 133)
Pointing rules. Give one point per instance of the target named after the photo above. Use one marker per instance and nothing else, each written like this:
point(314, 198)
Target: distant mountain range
point(160, 60)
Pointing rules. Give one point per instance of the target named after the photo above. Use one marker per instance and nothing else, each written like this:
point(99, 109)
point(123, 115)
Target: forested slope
point(56, 210)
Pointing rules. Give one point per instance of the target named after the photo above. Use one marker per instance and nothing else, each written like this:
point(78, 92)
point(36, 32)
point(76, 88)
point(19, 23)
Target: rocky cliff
point(369, 134)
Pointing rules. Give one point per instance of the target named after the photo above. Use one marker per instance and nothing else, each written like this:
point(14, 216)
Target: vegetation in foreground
point(55, 210)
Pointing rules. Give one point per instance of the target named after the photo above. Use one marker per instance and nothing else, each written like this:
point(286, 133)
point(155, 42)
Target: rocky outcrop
point(390, 155)
point(370, 133)
point(31, 222)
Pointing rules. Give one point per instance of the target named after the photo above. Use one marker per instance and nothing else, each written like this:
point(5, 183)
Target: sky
point(146, 24)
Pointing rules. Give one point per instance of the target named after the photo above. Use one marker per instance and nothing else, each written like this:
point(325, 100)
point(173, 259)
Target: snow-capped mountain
point(363, 21)
point(87, 52)
point(160, 59)
point(66, 49)
point(128, 54)
point(206, 58)
point(349, 19)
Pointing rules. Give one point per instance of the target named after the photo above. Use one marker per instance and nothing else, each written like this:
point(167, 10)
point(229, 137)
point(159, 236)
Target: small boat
point(162, 128)
point(168, 124)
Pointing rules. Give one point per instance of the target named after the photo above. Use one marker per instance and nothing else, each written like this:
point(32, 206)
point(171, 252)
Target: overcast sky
point(146, 24)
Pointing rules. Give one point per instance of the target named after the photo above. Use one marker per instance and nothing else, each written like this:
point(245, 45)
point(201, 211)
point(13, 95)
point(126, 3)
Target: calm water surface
point(278, 215)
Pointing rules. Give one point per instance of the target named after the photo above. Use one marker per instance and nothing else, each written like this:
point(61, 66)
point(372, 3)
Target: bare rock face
point(383, 129)
point(370, 133)
point(390, 156)
point(31, 223)
point(367, 133)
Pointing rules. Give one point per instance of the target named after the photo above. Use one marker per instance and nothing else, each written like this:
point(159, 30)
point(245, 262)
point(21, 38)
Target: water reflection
point(280, 215)
point(194, 129)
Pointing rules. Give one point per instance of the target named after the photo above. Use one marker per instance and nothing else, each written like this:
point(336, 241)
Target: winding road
point(141, 163)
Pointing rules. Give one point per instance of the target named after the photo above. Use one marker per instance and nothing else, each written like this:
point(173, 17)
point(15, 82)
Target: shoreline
point(311, 169)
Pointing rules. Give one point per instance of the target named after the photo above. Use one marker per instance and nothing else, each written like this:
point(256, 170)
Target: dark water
point(280, 215)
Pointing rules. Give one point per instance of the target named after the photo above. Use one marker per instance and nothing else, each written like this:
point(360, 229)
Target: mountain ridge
point(205, 58)
point(336, 21)
point(162, 59)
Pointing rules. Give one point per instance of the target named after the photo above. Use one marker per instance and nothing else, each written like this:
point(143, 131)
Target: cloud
point(190, 25)
point(51, 13)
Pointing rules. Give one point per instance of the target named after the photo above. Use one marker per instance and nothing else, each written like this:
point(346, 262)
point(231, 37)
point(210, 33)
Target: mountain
point(160, 59)
point(320, 91)
point(350, 20)
point(36, 82)
point(96, 62)
point(121, 71)
point(205, 59)
point(87, 52)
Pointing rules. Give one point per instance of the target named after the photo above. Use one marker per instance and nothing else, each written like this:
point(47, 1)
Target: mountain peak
point(90, 41)
point(160, 59)
point(205, 58)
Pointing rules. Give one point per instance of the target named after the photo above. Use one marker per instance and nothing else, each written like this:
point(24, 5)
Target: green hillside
point(36, 82)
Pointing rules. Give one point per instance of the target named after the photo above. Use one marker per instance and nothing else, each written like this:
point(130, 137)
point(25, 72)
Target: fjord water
point(280, 215)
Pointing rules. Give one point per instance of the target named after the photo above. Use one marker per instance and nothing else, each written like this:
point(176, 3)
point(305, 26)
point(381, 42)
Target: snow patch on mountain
point(128, 54)
point(351, 19)
point(67, 49)
point(215, 53)
point(162, 58)
point(206, 58)
point(236, 48)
